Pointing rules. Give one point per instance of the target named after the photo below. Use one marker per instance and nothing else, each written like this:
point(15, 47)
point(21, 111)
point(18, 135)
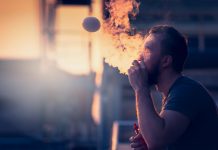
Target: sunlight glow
point(19, 29)
point(21, 36)
point(72, 49)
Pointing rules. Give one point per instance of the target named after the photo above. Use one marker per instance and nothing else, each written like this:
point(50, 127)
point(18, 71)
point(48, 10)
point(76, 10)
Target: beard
point(153, 75)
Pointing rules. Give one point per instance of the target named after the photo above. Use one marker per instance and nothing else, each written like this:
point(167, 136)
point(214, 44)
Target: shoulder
point(187, 97)
point(186, 87)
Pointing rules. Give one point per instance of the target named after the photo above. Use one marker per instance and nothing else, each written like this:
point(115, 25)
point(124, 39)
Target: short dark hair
point(173, 43)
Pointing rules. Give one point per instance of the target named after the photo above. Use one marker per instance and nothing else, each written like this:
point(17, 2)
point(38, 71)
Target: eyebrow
point(147, 48)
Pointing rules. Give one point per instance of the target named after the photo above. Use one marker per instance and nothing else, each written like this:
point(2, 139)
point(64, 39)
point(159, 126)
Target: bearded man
point(188, 119)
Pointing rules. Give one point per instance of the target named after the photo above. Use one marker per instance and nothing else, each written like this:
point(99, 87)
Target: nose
point(140, 58)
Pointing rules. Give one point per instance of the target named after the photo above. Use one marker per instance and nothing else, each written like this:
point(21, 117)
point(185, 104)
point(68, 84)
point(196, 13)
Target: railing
point(122, 131)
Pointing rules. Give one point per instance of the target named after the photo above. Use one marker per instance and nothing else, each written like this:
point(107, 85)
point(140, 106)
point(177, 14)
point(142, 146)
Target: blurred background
point(56, 91)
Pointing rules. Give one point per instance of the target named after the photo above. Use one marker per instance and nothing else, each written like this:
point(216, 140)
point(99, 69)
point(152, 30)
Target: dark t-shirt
point(192, 100)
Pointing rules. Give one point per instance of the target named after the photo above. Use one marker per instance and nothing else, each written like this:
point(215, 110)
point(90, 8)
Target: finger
point(136, 68)
point(131, 139)
point(140, 148)
point(133, 69)
point(138, 137)
point(137, 145)
point(142, 64)
point(136, 63)
point(129, 71)
point(143, 67)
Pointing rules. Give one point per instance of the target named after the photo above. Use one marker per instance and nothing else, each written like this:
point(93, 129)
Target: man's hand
point(137, 142)
point(137, 75)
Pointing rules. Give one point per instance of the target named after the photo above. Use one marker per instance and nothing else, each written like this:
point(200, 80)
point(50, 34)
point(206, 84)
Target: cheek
point(148, 61)
point(151, 62)
point(147, 57)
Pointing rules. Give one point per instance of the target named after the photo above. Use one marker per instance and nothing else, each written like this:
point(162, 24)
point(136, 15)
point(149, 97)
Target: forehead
point(153, 42)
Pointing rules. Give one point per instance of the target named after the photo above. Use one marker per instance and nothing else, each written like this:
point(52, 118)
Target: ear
point(167, 61)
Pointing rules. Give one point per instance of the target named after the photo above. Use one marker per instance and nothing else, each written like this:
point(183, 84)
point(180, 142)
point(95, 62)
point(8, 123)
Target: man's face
point(151, 55)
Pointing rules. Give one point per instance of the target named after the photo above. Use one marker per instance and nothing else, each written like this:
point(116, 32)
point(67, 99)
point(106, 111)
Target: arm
point(158, 130)
point(161, 129)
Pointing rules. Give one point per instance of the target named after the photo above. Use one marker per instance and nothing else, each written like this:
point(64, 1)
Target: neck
point(166, 80)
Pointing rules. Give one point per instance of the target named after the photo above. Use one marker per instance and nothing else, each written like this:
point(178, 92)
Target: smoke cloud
point(122, 42)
